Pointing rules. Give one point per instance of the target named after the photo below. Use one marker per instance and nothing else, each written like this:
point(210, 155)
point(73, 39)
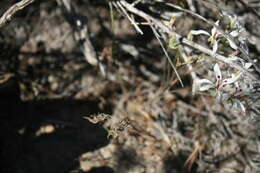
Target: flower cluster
point(229, 87)
point(225, 89)
point(214, 37)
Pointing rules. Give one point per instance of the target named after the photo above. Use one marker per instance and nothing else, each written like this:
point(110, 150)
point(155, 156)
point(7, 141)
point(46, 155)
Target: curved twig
point(12, 10)
point(183, 40)
point(226, 35)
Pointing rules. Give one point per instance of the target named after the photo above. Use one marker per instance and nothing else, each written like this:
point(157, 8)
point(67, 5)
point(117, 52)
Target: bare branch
point(119, 6)
point(250, 8)
point(183, 40)
point(81, 32)
point(12, 10)
point(226, 35)
point(166, 54)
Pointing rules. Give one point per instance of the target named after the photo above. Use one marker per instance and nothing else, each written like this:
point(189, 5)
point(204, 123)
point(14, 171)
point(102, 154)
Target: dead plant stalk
point(182, 39)
point(7, 16)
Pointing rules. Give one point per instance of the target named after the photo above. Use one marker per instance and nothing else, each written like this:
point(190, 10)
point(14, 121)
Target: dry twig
point(81, 32)
point(226, 35)
point(166, 54)
point(250, 8)
point(12, 10)
point(183, 40)
point(5, 77)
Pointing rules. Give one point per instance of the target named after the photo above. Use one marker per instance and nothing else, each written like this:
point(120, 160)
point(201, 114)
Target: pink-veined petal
point(234, 33)
point(248, 65)
point(201, 81)
point(206, 87)
point(217, 72)
point(205, 84)
point(198, 32)
point(214, 30)
point(231, 80)
point(215, 47)
point(232, 44)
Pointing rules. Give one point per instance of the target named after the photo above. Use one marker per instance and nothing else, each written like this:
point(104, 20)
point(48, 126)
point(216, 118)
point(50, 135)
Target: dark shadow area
point(46, 136)
point(102, 169)
point(176, 163)
point(127, 159)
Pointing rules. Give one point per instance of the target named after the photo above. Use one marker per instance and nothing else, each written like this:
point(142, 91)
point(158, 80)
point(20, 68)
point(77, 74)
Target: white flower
point(239, 105)
point(246, 65)
point(206, 84)
point(221, 92)
point(236, 104)
point(237, 29)
point(212, 37)
point(236, 33)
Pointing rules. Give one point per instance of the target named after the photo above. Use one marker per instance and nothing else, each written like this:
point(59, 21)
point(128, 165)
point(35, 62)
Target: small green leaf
point(173, 44)
point(190, 36)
